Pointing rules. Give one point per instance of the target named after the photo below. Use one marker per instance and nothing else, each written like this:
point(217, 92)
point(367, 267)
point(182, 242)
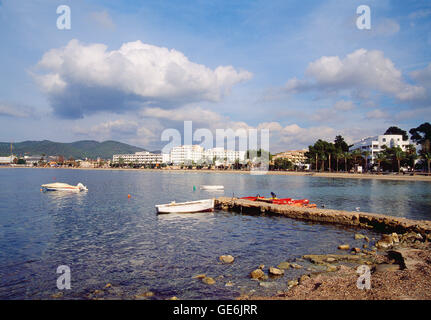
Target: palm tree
point(346, 156)
point(399, 155)
point(355, 155)
point(323, 157)
point(366, 154)
point(338, 155)
point(427, 157)
point(380, 157)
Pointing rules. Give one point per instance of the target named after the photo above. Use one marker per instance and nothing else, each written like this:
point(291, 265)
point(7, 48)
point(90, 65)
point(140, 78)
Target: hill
point(78, 150)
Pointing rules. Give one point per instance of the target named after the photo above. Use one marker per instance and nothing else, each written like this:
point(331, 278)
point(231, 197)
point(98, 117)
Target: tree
point(396, 154)
point(411, 156)
point(338, 155)
point(396, 130)
point(421, 135)
point(380, 157)
point(282, 163)
point(355, 154)
point(340, 144)
point(427, 157)
point(320, 150)
point(366, 154)
point(346, 156)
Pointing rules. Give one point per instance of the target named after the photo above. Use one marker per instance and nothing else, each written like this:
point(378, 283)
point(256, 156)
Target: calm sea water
point(105, 237)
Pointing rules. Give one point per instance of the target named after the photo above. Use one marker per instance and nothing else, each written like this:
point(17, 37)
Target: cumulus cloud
point(361, 70)
point(83, 79)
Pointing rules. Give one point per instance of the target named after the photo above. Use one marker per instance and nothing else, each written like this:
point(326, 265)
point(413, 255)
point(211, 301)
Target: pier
point(377, 222)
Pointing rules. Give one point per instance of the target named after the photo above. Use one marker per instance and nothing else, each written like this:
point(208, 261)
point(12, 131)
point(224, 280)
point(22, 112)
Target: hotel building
point(143, 157)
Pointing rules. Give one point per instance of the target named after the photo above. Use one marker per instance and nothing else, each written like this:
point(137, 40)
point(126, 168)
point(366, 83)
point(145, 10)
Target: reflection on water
point(106, 237)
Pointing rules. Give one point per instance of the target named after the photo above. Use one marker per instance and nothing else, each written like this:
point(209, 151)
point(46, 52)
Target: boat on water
point(283, 201)
point(58, 186)
point(186, 207)
point(212, 188)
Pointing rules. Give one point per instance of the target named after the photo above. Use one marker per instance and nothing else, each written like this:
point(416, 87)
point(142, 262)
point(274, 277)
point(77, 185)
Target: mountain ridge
point(78, 150)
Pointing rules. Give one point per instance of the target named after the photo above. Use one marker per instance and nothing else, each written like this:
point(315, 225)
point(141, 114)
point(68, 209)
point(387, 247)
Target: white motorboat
point(186, 207)
point(212, 188)
point(58, 186)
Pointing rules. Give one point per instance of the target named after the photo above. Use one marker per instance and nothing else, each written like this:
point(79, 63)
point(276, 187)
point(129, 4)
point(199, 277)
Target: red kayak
point(283, 201)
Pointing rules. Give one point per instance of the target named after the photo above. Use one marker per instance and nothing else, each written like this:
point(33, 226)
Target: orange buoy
point(129, 196)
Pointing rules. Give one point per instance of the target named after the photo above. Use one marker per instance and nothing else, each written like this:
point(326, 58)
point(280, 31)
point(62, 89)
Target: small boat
point(284, 201)
point(58, 186)
point(186, 207)
point(212, 188)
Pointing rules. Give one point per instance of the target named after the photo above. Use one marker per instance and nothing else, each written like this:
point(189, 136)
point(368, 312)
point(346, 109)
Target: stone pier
point(378, 222)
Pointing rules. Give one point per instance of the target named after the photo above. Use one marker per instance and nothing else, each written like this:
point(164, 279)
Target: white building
point(143, 157)
point(223, 156)
point(6, 160)
point(375, 144)
point(186, 154)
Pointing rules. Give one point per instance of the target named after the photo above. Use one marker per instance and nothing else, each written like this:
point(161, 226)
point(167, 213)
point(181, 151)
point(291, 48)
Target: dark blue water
point(105, 237)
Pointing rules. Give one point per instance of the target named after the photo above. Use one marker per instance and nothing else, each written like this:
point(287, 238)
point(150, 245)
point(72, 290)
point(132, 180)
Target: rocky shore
point(400, 269)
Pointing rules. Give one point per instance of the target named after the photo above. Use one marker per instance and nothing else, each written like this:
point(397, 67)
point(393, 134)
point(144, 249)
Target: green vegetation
point(77, 150)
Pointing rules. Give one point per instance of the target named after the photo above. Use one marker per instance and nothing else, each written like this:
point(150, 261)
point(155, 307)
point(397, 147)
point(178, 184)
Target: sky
point(128, 70)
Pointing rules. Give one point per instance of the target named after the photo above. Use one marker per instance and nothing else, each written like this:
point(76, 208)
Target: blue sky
point(127, 70)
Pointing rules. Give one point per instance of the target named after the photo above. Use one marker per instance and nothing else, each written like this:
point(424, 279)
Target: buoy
point(194, 188)
point(40, 189)
point(129, 196)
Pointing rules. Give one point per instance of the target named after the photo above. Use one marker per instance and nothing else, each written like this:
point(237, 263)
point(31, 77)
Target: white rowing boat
point(186, 207)
point(212, 188)
point(58, 186)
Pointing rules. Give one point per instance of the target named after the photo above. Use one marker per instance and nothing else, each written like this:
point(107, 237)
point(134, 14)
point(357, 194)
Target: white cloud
point(360, 70)
point(83, 79)
point(16, 111)
point(377, 114)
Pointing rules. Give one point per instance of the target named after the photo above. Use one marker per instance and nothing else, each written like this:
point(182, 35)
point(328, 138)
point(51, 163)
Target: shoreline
point(333, 175)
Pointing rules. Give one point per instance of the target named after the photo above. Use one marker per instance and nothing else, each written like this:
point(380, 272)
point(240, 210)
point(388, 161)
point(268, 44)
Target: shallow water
point(105, 237)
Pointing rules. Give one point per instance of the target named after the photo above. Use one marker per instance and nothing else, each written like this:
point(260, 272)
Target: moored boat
point(186, 207)
point(212, 188)
point(284, 201)
point(58, 186)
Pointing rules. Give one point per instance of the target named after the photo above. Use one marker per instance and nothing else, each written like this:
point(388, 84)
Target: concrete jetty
point(378, 222)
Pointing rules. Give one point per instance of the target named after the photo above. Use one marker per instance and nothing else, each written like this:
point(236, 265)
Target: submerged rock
point(208, 280)
point(57, 295)
point(292, 283)
point(200, 276)
point(227, 259)
point(284, 265)
point(229, 284)
point(276, 272)
point(257, 274)
point(343, 247)
point(296, 266)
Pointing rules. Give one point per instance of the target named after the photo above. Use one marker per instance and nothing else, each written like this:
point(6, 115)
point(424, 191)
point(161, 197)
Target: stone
point(276, 272)
point(359, 236)
point(331, 268)
point(208, 280)
point(227, 259)
point(284, 265)
point(295, 266)
point(108, 285)
point(96, 292)
point(173, 298)
point(343, 247)
point(356, 250)
point(200, 276)
point(383, 244)
point(229, 284)
point(257, 274)
point(387, 267)
point(262, 266)
point(365, 246)
point(146, 294)
point(330, 260)
point(292, 283)
point(57, 295)
point(395, 238)
point(303, 278)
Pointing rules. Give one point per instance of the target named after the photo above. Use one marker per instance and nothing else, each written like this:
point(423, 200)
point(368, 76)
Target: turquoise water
point(105, 237)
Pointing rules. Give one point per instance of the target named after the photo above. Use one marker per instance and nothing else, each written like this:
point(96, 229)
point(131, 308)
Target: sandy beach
point(341, 175)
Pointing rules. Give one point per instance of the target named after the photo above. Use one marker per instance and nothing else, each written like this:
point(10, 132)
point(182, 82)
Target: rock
point(284, 265)
point(292, 283)
point(275, 271)
point(365, 246)
point(267, 284)
point(226, 259)
point(387, 238)
point(146, 294)
point(383, 244)
point(359, 236)
point(395, 238)
point(229, 284)
point(208, 280)
point(387, 267)
point(356, 250)
point(331, 268)
point(265, 277)
point(303, 278)
point(57, 295)
point(295, 266)
point(343, 247)
point(200, 276)
point(262, 266)
point(257, 274)
point(407, 258)
point(173, 298)
point(96, 292)
point(330, 260)
point(108, 285)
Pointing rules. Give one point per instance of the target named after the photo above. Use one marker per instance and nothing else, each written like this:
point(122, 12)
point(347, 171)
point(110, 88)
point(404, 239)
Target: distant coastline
point(341, 175)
